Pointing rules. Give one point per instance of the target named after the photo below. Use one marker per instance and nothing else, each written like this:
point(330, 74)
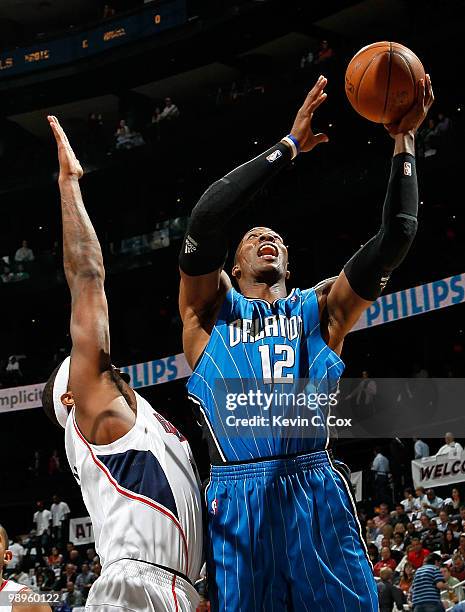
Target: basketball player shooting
point(282, 530)
point(16, 597)
point(135, 469)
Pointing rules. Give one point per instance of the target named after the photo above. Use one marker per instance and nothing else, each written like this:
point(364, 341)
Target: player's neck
point(263, 291)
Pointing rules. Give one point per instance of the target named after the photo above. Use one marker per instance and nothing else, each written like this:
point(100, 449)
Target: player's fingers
point(315, 91)
point(316, 103)
point(429, 89)
point(318, 138)
point(421, 92)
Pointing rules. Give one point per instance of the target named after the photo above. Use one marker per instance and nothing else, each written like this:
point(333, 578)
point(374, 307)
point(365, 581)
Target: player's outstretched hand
point(302, 128)
point(69, 164)
point(417, 114)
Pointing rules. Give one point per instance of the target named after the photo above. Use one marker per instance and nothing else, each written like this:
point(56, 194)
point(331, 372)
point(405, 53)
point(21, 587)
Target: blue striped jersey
point(260, 379)
point(424, 589)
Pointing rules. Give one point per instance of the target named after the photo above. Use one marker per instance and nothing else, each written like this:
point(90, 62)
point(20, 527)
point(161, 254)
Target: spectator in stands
point(400, 528)
point(42, 520)
point(461, 547)
point(55, 559)
point(96, 568)
point(7, 275)
point(388, 594)
point(458, 567)
point(54, 464)
point(373, 553)
point(385, 561)
point(371, 531)
point(452, 595)
point(307, 59)
point(420, 493)
point(399, 515)
point(459, 519)
point(68, 575)
point(13, 370)
point(75, 558)
point(60, 515)
point(68, 549)
point(18, 552)
point(384, 536)
point(427, 585)
point(409, 501)
point(20, 576)
point(442, 521)
point(410, 534)
point(427, 139)
point(20, 274)
point(71, 596)
point(423, 528)
point(432, 504)
point(433, 538)
point(450, 543)
point(85, 580)
point(451, 447)
point(417, 553)
point(365, 392)
point(91, 555)
point(399, 544)
point(170, 111)
point(325, 52)
point(443, 125)
point(380, 469)
point(108, 11)
point(123, 136)
point(455, 499)
point(421, 449)
point(406, 577)
point(382, 518)
point(24, 253)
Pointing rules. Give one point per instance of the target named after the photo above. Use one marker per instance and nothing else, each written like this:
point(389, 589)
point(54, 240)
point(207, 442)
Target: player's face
point(262, 255)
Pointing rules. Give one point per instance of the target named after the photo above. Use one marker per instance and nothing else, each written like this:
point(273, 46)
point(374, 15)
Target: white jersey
point(141, 492)
point(7, 592)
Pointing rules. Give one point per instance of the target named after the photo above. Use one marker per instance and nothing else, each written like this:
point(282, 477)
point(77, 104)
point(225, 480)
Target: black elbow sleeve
point(205, 245)
point(370, 268)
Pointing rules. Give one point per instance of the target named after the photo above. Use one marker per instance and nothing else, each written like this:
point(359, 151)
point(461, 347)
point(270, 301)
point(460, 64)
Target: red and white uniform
point(7, 590)
point(143, 498)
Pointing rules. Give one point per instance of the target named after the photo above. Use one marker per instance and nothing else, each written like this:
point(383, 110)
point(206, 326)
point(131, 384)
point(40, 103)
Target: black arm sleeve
point(370, 268)
point(205, 245)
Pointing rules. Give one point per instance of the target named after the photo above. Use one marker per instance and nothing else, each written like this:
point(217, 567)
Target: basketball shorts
point(134, 586)
point(283, 537)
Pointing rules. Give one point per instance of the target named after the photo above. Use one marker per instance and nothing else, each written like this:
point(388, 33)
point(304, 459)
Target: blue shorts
point(283, 537)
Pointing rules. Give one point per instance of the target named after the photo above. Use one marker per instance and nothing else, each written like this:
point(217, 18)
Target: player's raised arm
point(366, 274)
point(205, 246)
point(85, 274)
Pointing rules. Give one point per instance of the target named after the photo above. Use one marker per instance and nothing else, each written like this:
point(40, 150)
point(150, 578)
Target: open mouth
point(267, 250)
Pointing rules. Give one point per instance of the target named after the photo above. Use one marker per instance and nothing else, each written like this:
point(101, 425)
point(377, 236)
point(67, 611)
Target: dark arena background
point(161, 98)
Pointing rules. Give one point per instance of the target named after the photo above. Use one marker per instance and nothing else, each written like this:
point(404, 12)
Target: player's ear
point(67, 399)
point(236, 271)
point(288, 274)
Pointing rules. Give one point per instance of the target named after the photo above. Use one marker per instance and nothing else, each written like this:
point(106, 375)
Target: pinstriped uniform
point(282, 531)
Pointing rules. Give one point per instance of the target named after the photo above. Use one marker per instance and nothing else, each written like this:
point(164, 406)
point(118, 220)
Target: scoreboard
point(114, 32)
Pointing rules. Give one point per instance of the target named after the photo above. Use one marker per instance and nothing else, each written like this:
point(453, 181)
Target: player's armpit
point(344, 308)
point(198, 295)
point(200, 299)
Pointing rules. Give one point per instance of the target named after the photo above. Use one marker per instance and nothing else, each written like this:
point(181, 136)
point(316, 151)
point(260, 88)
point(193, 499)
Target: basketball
point(381, 81)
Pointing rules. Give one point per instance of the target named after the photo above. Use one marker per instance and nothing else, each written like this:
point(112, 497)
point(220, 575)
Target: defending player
point(135, 470)
point(282, 530)
point(16, 597)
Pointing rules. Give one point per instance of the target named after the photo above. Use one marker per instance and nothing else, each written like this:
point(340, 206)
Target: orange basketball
point(382, 81)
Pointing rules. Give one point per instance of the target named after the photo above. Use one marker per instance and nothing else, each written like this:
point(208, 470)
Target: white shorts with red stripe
point(132, 586)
